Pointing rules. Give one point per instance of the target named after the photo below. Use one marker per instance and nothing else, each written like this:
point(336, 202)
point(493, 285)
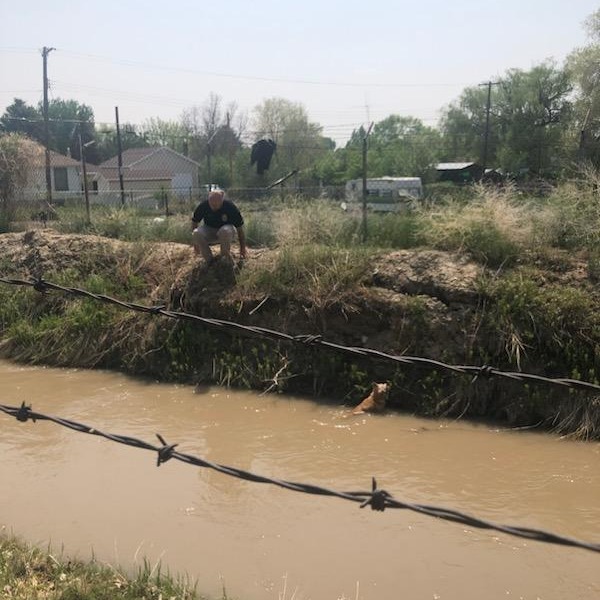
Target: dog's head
point(380, 389)
point(379, 394)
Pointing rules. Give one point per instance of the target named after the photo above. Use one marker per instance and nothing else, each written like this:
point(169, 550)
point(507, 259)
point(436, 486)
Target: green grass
point(27, 572)
point(537, 321)
point(318, 274)
point(128, 224)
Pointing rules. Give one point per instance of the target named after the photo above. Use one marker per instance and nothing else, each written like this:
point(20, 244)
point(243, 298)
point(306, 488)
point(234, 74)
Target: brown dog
point(375, 401)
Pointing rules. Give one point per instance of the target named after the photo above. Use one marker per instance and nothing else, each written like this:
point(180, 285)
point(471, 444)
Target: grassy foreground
point(28, 573)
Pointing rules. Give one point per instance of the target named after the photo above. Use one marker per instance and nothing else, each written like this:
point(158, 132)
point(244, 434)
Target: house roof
point(133, 156)
point(453, 166)
point(56, 159)
point(60, 160)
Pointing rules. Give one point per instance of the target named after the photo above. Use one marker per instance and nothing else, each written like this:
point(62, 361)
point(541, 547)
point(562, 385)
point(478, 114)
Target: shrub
point(493, 228)
point(17, 154)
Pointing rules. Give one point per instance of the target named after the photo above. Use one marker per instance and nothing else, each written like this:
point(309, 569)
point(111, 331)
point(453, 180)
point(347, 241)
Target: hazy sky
point(347, 62)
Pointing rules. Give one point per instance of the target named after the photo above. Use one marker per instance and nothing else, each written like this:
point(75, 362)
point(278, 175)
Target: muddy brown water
point(88, 495)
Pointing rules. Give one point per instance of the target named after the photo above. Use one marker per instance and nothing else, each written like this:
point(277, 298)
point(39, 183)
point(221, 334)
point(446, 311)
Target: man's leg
point(202, 237)
point(226, 235)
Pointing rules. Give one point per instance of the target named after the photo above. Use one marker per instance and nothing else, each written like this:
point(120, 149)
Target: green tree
point(22, 118)
point(107, 145)
point(402, 147)
point(353, 154)
point(529, 115)
point(533, 114)
point(160, 132)
point(330, 169)
point(67, 120)
point(300, 144)
point(215, 133)
point(463, 126)
point(583, 68)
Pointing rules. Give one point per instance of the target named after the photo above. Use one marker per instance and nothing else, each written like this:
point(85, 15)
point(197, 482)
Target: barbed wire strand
point(378, 499)
point(307, 339)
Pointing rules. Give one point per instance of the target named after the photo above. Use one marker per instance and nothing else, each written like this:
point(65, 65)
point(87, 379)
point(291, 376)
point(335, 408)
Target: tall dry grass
point(494, 227)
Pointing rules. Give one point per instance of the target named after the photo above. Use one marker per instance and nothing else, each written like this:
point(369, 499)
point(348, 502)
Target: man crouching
point(221, 219)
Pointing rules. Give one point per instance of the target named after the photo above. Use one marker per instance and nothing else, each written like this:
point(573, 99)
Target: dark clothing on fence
point(261, 154)
point(228, 214)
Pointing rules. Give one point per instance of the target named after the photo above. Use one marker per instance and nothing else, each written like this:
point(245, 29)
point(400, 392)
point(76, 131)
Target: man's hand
point(243, 253)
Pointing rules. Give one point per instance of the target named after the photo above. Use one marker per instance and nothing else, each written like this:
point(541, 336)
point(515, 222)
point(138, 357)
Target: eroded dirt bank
point(420, 302)
point(377, 314)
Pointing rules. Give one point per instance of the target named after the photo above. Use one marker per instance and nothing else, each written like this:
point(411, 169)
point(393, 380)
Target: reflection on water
point(91, 494)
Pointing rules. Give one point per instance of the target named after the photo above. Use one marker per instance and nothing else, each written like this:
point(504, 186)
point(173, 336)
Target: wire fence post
point(365, 191)
point(120, 157)
point(45, 52)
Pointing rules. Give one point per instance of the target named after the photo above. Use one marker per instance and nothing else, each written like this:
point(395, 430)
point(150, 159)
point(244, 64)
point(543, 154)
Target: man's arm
point(198, 215)
point(242, 239)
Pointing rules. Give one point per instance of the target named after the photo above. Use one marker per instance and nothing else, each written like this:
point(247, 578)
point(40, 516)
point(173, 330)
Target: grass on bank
point(28, 573)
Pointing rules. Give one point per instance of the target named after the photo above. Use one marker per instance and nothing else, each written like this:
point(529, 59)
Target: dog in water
point(375, 401)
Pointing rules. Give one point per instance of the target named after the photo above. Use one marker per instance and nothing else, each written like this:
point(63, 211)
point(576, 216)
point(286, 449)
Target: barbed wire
point(377, 498)
point(473, 371)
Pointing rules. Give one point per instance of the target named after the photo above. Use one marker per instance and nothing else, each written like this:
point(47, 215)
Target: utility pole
point(45, 52)
point(120, 157)
point(86, 192)
point(364, 182)
point(230, 148)
point(487, 124)
point(208, 169)
point(208, 153)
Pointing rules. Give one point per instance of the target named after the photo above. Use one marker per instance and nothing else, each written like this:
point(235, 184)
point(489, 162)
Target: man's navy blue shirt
point(228, 214)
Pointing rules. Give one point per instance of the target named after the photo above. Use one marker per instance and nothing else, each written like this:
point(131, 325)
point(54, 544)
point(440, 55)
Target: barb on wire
point(24, 413)
point(166, 452)
point(313, 340)
point(377, 499)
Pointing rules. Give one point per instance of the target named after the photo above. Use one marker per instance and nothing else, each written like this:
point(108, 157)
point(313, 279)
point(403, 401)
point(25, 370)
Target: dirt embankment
point(428, 290)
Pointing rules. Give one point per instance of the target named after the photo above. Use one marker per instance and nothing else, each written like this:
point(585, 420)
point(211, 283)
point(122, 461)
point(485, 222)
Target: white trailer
point(386, 194)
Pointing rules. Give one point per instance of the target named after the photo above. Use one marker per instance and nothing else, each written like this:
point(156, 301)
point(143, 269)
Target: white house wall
point(185, 172)
point(36, 185)
point(74, 180)
point(182, 183)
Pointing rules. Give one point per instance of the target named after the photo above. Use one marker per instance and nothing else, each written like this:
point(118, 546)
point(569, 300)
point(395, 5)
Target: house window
point(61, 180)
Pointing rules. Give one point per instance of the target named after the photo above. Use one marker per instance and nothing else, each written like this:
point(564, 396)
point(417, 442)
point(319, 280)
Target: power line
point(173, 68)
point(19, 49)
point(19, 91)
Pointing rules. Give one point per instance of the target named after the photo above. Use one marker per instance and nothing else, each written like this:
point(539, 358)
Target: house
point(146, 172)
point(459, 172)
point(65, 176)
